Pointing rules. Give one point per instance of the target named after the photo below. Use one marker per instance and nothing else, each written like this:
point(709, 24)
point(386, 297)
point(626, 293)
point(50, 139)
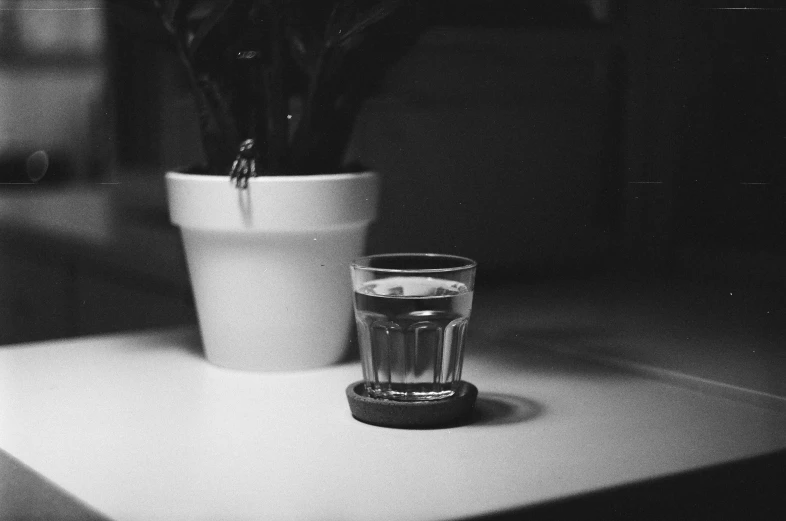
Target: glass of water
point(412, 311)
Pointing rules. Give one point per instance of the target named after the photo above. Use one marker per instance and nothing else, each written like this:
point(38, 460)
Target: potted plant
point(270, 223)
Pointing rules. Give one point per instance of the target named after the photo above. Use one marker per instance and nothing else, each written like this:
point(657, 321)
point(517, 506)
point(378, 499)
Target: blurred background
point(550, 140)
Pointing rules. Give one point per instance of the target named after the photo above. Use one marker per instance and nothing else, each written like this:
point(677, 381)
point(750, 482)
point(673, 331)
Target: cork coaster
point(452, 411)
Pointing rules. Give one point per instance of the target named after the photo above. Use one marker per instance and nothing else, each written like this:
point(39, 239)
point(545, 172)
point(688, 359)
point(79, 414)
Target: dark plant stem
point(277, 122)
point(302, 142)
point(222, 134)
point(219, 133)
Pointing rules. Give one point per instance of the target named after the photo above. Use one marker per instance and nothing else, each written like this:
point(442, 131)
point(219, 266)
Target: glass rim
point(468, 263)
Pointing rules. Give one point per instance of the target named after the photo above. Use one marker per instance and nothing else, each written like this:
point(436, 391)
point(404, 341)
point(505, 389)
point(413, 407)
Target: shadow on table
point(750, 489)
point(190, 340)
point(26, 495)
point(503, 409)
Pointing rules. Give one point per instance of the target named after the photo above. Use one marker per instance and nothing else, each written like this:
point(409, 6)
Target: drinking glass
point(412, 312)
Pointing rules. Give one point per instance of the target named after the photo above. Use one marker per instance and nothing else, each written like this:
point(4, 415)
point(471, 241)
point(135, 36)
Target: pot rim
point(273, 204)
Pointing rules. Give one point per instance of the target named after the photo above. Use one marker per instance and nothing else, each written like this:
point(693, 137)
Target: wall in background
point(492, 143)
point(704, 182)
point(53, 88)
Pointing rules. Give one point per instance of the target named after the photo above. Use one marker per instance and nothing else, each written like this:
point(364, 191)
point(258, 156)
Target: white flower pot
point(269, 265)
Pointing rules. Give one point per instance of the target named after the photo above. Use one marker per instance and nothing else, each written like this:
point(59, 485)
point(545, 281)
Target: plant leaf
point(217, 11)
point(304, 55)
point(170, 9)
point(219, 128)
point(344, 34)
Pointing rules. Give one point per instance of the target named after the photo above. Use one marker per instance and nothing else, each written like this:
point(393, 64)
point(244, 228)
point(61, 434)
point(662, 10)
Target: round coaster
point(454, 410)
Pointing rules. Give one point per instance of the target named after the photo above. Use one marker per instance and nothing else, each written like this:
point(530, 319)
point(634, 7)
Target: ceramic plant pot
point(269, 265)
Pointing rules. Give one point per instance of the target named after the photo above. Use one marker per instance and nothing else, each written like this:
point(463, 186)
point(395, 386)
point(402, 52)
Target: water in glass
point(412, 332)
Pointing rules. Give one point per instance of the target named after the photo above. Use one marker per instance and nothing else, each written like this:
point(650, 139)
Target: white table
point(140, 426)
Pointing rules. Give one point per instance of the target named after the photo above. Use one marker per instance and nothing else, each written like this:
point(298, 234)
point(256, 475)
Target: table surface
point(140, 426)
point(583, 386)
